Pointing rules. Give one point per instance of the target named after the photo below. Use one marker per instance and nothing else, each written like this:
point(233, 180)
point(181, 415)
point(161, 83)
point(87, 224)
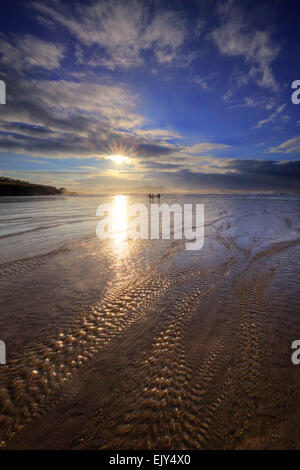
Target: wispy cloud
point(271, 118)
point(289, 146)
point(25, 52)
point(204, 147)
point(124, 30)
point(204, 81)
point(236, 38)
point(157, 134)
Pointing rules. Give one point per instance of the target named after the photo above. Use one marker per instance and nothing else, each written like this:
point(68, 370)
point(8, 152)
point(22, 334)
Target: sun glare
point(119, 159)
point(119, 222)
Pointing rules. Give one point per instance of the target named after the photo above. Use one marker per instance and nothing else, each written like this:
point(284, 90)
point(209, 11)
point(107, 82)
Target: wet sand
point(143, 345)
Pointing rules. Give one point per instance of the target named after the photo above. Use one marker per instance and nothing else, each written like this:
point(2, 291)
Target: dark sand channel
point(144, 345)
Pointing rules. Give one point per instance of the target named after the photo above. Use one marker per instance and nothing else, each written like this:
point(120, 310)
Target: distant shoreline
point(11, 187)
point(15, 188)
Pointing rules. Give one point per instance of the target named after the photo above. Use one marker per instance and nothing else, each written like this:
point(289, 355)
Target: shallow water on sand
point(134, 344)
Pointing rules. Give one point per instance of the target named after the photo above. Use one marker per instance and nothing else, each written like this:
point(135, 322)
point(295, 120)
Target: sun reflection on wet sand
point(119, 223)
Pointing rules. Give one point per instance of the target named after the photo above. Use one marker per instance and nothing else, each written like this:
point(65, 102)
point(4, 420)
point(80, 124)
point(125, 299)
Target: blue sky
point(197, 94)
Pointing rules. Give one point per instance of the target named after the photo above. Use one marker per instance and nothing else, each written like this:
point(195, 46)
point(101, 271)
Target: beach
point(142, 344)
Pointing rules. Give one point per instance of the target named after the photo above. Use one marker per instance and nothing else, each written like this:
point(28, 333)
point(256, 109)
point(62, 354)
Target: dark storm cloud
point(288, 169)
point(245, 175)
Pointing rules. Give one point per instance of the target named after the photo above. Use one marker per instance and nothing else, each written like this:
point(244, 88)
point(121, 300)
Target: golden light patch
point(119, 159)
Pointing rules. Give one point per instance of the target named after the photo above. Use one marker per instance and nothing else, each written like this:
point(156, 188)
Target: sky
point(194, 94)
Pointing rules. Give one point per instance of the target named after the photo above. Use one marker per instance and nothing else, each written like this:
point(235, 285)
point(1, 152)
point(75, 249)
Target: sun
point(119, 159)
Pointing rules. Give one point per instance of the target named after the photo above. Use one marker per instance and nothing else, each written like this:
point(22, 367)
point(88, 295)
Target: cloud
point(204, 147)
point(271, 118)
point(204, 81)
point(246, 102)
point(239, 175)
point(243, 175)
point(148, 150)
point(160, 166)
point(157, 134)
point(84, 113)
point(266, 167)
point(70, 106)
point(122, 31)
point(200, 25)
point(68, 119)
point(236, 38)
point(289, 146)
point(28, 52)
point(61, 119)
